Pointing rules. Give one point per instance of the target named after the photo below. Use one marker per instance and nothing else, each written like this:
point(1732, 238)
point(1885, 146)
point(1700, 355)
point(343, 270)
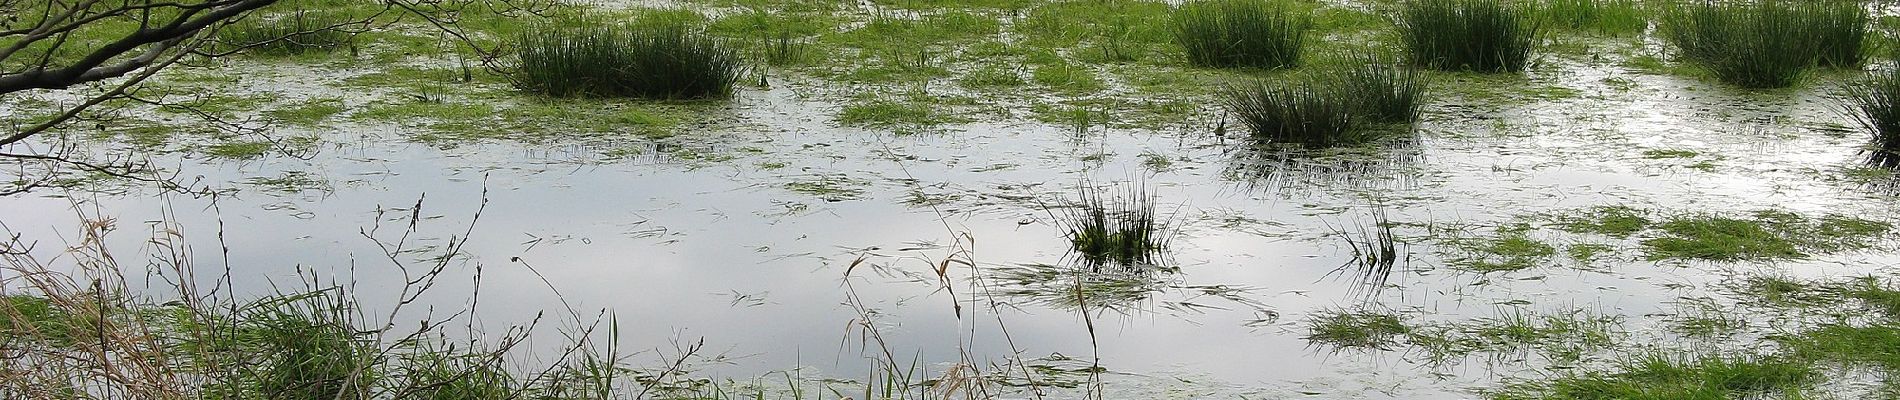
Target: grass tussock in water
point(670, 61)
point(1382, 90)
point(1122, 230)
point(1469, 35)
point(1615, 17)
point(1767, 43)
point(1307, 112)
point(1241, 33)
point(299, 32)
point(1875, 103)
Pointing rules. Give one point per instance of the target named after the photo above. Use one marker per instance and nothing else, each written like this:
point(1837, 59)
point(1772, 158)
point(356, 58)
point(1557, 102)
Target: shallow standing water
point(747, 245)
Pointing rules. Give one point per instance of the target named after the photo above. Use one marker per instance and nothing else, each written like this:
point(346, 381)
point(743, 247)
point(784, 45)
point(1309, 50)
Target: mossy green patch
point(1356, 329)
point(1511, 250)
point(1658, 154)
point(832, 188)
point(1676, 378)
point(991, 77)
point(905, 114)
point(308, 112)
point(239, 149)
point(1614, 221)
point(933, 30)
point(1067, 78)
point(1767, 235)
point(1586, 252)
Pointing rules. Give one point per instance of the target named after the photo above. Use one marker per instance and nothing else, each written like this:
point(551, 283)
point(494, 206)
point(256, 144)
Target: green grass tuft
point(1384, 91)
point(1469, 35)
point(1769, 43)
point(1675, 378)
point(298, 32)
point(1768, 235)
point(1240, 33)
point(581, 59)
point(1875, 103)
point(1614, 17)
point(1614, 221)
point(1306, 112)
point(1123, 230)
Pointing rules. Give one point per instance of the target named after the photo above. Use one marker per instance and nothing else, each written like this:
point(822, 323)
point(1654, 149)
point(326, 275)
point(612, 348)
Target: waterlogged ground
point(1539, 218)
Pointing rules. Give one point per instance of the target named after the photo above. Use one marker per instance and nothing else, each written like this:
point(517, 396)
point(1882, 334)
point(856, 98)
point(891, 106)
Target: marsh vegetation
point(790, 199)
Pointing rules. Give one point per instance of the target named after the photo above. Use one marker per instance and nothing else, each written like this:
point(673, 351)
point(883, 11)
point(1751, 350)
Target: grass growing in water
point(1770, 43)
point(669, 61)
point(1669, 377)
point(1875, 103)
point(299, 32)
point(1614, 221)
point(1384, 91)
point(1605, 16)
point(1240, 34)
point(1356, 329)
point(1767, 234)
point(1303, 112)
point(1375, 253)
point(1123, 230)
point(1511, 250)
point(1469, 35)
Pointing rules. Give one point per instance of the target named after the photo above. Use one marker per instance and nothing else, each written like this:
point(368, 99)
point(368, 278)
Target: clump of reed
point(1381, 90)
point(1874, 102)
point(1469, 35)
point(1304, 111)
point(785, 50)
point(299, 32)
point(1240, 33)
point(1604, 16)
point(1767, 43)
point(1122, 229)
point(669, 61)
point(1375, 253)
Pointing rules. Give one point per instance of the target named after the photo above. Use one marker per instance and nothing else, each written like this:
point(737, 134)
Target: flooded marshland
point(914, 190)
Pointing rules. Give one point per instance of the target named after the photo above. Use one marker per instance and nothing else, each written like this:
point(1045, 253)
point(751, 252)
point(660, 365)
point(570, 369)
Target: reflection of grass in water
point(1123, 230)
point(1375, 253)
point(1376, 166)
point(1469, 35)
point(1241, 33)
point(1078, 286)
